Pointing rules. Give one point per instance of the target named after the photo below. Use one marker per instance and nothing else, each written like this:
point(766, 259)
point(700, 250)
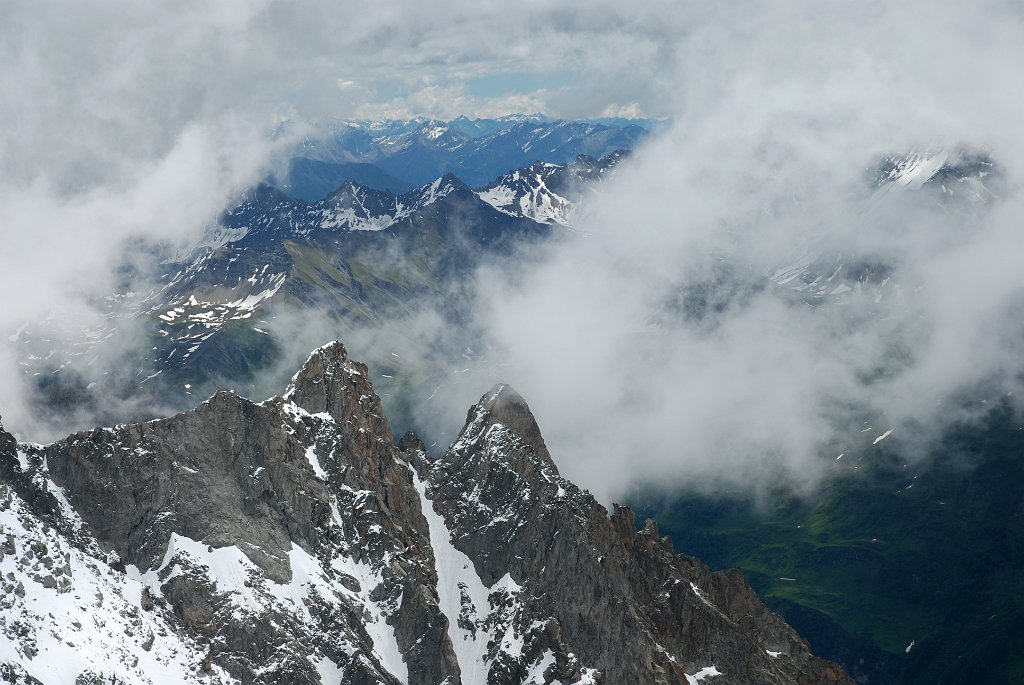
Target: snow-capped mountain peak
point(292, 541)
point(547, 192)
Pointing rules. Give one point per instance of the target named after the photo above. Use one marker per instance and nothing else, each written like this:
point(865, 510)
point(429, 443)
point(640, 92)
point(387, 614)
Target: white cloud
point(628, 111)
point(782, 110)
point(141, 120)
point(451, 101)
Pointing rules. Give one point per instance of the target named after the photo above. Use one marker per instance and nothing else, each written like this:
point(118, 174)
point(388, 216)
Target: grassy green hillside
point(880, 559)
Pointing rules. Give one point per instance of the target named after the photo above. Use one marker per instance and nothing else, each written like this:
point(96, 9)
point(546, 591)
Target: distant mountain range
point(225, 313)
point(957, 180)
point(400, 155)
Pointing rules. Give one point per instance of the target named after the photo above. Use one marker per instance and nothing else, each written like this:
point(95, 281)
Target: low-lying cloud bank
point(657, 348)
point(658, 351)
point(126, 126)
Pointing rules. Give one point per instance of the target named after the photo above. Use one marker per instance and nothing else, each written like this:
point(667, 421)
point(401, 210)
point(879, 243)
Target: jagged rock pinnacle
point(502, 405)
point(515, 519)
point(331, 382)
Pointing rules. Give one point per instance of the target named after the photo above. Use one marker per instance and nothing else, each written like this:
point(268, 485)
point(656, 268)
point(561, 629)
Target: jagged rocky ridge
point(291, 541)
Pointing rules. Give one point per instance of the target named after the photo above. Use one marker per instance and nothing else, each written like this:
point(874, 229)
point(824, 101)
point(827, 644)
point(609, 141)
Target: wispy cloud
point(783, 110)
point(143, 121)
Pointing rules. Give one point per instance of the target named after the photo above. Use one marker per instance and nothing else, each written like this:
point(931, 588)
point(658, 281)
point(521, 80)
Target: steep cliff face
point(281, 540)
point(290, 541)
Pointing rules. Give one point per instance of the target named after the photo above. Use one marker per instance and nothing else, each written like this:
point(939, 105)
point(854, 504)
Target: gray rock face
point(300, 499)
point(621, 601)
point(291, 541)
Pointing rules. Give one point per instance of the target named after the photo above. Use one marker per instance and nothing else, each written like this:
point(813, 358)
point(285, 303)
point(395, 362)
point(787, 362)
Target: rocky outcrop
point(291, 541)
point(276, 535)
point(594, 578)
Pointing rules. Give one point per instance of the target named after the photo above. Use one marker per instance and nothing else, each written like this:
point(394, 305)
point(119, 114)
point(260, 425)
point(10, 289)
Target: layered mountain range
point(221, 313)
point(293, 541)
point(401, 155)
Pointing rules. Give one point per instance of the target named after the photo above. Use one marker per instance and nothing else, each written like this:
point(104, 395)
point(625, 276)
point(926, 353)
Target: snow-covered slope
point(351, 207)
point(547, 192)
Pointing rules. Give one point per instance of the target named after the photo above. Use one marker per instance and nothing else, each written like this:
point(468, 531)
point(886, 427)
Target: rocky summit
point(292, 541)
